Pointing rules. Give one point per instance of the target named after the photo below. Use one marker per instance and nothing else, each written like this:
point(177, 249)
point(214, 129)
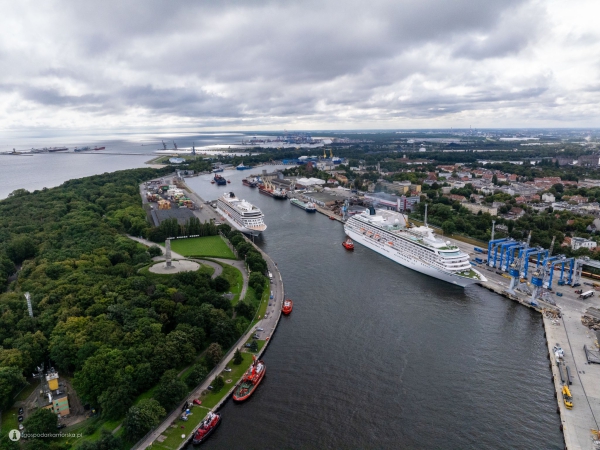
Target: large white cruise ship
point(243, 215)
point(417, 248)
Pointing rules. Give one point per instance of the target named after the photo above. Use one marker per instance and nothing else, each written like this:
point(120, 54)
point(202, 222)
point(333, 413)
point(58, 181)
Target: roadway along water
point(375, 355)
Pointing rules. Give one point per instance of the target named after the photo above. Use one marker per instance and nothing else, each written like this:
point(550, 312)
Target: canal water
point(375, 355)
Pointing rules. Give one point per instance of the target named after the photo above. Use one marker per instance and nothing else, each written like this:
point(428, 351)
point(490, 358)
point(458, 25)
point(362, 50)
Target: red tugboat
point(212, 421)
point(287, 306)
point(348, 244)
point(250, 381)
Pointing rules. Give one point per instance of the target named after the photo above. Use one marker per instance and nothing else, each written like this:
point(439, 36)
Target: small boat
point(212, 421)
point(98, 148)
point(250, 380)
point(219, 180)
point(243, 167)
point(287, 306)
point(212, 181)
point(229, 181)
point(348, 244)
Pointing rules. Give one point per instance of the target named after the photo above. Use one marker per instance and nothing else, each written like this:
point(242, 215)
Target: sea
point(39, 170)
point(374, 355)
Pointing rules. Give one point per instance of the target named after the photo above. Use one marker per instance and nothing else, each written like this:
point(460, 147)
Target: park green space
point(236, 282)
point(209, 401)
point(211, 246)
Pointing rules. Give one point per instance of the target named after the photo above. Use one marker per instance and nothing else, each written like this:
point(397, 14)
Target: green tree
point(20, 248)
point(214, 353)
point(41, 421)
point(107, 441)
point(198, 373)
point(11, 381)
point(171, 390)
point(254, 346)
point(237, 357)
point(221, 284)
point(448, 227)
point(494, 179)
point(142, 417)
point(154, 251)
point(218, 383)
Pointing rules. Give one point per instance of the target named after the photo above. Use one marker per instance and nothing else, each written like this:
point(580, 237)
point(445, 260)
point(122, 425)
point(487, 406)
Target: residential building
point(548, 197)
point(475, 208)
point(578, 242)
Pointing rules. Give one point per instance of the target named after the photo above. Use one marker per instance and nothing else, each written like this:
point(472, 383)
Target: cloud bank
point(311, 64)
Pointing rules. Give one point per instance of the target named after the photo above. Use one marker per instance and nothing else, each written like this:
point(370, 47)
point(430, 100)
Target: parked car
point(260, 329)
point(227, 369)
point(20, 411)
point(20, 418)
point(60, 425)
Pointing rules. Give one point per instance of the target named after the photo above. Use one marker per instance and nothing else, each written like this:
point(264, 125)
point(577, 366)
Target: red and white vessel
point(212, 421)
point(348, 244)
point(250, 381)
point(288, 304)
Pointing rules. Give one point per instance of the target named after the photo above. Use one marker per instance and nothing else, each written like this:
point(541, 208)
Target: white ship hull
point(237, 225)
point(409, 261)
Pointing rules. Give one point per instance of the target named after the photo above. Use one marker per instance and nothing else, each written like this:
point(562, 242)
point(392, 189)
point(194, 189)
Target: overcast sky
point(117, 64)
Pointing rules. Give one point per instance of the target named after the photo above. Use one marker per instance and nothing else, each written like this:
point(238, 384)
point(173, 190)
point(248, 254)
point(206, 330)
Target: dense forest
point(117, 330)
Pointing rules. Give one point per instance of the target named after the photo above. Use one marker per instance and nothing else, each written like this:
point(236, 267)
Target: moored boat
point(208, 425)
point(264, 190)
point(250, 380)
point(287, 307)
point(243, 167)
point(98, 148)
point(308, 207)
point(250, 182)
point(348, 244)
point(280, 194)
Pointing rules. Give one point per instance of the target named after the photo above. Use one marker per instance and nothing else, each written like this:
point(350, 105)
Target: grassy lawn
point(264, 303)
point(236, 281)
point(202, 246)
point(9, 420)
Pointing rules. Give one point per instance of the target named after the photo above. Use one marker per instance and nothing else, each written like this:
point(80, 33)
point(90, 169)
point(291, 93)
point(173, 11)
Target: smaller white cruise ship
point(389, 234)
point(242, 215)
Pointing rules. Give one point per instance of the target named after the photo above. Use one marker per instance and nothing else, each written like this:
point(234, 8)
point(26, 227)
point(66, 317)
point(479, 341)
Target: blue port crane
point(494, 245)
point(505, 247)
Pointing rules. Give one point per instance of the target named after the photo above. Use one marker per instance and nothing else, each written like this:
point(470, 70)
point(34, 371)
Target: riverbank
point(267, 319)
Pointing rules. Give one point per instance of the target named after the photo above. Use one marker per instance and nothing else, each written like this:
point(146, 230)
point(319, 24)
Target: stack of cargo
point(164, 204)
point(591, 318)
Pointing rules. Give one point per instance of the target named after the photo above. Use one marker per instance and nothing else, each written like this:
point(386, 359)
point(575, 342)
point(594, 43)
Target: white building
point(577, 243)
point(548, 197)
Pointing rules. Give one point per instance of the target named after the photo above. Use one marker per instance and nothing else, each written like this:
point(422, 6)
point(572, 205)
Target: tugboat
point(220, 180)
point(212, 421)
point(250, 381)
point(288, 304)
point(348, 244)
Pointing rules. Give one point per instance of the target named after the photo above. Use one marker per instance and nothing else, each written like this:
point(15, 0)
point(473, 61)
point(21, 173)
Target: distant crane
point(164, 145)
point(174, 145)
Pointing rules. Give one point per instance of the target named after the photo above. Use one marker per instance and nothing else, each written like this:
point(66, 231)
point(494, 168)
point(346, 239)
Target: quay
point(268, 323)
point(580, 424)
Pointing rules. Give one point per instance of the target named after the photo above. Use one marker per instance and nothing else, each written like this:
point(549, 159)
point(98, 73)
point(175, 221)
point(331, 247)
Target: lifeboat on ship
point(250, 380)
point(212, 421)
point(287, 306)
point(348, 244)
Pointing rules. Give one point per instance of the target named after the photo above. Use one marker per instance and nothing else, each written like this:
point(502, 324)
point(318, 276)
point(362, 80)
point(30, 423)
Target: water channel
point(375, 355)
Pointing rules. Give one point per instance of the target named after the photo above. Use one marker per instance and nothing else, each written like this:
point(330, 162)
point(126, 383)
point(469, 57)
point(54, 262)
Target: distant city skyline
point(72, 67)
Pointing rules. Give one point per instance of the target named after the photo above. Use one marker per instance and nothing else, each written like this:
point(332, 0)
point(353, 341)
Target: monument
point(168, 254)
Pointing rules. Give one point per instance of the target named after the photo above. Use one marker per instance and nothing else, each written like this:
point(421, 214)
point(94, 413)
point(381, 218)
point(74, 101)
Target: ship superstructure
point(243, 215)
point(388, 233)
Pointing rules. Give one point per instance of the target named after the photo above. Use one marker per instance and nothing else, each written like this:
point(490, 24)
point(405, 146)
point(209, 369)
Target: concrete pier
point(579, 423)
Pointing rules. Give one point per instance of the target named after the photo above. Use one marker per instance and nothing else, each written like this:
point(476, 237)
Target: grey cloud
point(268, 62)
